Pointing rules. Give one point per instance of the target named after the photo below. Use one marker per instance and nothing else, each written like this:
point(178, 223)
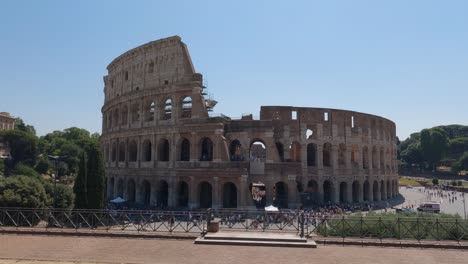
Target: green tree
point(435, 181)
point(23, 146)
point(96, 180)
point(20, 125)
point(433, 144)
point(63, 194)
point(43, 165)
point(22, 191)
point(22, 169)
point(81, 182)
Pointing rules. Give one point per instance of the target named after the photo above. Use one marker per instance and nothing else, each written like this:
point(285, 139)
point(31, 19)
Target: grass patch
point(406, 182)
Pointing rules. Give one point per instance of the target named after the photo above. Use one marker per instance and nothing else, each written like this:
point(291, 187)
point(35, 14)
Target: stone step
point(255, 237)
point(269, 243)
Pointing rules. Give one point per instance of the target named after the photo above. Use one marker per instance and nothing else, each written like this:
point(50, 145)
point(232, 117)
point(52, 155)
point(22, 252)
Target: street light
point(55, 159)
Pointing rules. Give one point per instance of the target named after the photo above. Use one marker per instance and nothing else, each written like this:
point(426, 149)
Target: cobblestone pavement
point(36, 249)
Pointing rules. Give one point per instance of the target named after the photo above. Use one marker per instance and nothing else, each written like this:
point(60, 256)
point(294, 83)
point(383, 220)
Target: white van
point(431, 207)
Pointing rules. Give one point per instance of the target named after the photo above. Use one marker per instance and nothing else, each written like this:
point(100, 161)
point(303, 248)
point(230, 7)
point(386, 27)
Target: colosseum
point(164, 148)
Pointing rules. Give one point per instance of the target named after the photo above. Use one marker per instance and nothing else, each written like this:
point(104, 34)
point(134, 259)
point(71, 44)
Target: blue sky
point(403, 60)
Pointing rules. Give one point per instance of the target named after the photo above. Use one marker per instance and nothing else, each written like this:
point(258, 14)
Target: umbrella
point(271, 208)
point(118, 200)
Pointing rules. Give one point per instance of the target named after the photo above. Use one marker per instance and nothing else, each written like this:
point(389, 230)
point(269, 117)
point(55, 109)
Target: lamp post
point(55, 159)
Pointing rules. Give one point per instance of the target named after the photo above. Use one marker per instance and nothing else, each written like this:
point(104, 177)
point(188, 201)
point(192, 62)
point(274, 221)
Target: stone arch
point(111, 188)
point(186, 107)
point(235, 151)
point(135, 112)
point(355, 154)
point(229, 195)
point(389, 191)
point(366, 191)
point(183, 194)
point(132, 151)
point(375, 190)
point(382, 157)
point(295, 152)
point(124, 115)
point(206, 147)
point(147, 150)
point(114, 151)
point(163, 194)
point(145, 191)
point(163, 150)
point(365, 157)
point(328, 191)
point(131, 191)
point(342, 154)
point(375, 160)
point(311, 196)
point(168, 109)
point(149, 110)
point(122, 151)
point(258, 150)
point(326, 152)
point(280, 149)
point(115, 118)
point(281, 195)
point(343, 192)
point(205, 194)
point(184, 150)
point(356, 191)
point(120, 188)
point(383, 194)
point(311, 154)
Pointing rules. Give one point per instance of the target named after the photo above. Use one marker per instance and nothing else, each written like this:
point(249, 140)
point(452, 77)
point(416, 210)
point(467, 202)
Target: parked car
point(430, 207)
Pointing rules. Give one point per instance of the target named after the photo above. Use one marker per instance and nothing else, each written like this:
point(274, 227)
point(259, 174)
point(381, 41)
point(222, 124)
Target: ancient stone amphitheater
point(163, 147)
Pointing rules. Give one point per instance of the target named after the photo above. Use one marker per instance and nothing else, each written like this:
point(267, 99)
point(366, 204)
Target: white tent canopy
point(118, 200)
point(271, 208)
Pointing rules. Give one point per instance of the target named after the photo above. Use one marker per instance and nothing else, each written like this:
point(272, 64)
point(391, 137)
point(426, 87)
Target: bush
point(22, 191)
point(2, 167)
point(42, 166)
point(64, 195)
point(435, 181)
point(21, 169)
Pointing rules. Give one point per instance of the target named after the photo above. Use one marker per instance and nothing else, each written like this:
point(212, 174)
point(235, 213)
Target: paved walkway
point(28, 249)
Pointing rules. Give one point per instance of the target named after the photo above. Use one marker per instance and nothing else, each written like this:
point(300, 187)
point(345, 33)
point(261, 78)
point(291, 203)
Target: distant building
point(7, 122)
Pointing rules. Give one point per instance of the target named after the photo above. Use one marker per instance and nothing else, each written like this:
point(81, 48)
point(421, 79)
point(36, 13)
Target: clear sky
point(403, 60)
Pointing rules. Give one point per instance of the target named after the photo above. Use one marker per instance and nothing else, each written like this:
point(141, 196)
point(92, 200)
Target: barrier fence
point(304, 224)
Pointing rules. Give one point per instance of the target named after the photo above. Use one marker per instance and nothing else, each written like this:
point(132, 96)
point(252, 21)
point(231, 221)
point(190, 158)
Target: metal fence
point(304, 224)
point(108, 220)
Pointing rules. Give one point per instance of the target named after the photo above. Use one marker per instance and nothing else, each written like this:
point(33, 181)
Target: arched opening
point(131, 191)
point(111, 189)
point(281, 195)
point(355, 155)
point(343, 192)
point(206, 150)
point(132, 151)
point(124, 115)
point(375, 160)
point(147, 150)
point(356, 191)
point(257, 151)
point(229, 195)
point(150, 108)
point(342, 154)
point(109, 120)
point(106, 153)
point(311, 150)
point(114, 151)
point(186, 107)
point(120, 188)
point(235, 151)
point(122, 152)
point(383, 196)
point(168, 109)
point(205, 195)
point(389, 191)
point(382, 157)
point(145, 193)
point(388, 159)
point(163, 194)
point(135, 112)
point(295, 152)
point(327, 191)
point(185, 150)
point(163, 150)
point(327, 155)
point(375, 190)
point(311, 195)
point(182, 194)
point(366, 193)
point(365, 158)
point(116, 118)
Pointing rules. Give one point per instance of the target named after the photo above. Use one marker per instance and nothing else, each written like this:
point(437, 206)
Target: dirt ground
point(38, 249)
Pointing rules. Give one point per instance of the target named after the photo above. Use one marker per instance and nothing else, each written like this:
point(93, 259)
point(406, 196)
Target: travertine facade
point(161, 147)
point(7, 122)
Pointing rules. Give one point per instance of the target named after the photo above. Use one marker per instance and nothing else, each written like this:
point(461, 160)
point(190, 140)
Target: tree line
point(440, 145)
point(27, 177)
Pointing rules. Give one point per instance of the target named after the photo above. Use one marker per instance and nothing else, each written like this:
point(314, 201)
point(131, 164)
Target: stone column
point(129, 114)
point(154, 193)
point(171, 199)
point(336, 192)
point(244, 193)
point(349, 193)
point(334, 159)
point(361, 193)
point(216, 199)
point(292, 192)
point(193, 194)
point(142, 113)
point(319, 156)
point(194, 155)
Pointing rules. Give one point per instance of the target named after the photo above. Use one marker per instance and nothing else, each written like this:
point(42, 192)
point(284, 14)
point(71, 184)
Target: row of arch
point(147, 111)
point(120, 152)
point(343, 192)
point(158, 195)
